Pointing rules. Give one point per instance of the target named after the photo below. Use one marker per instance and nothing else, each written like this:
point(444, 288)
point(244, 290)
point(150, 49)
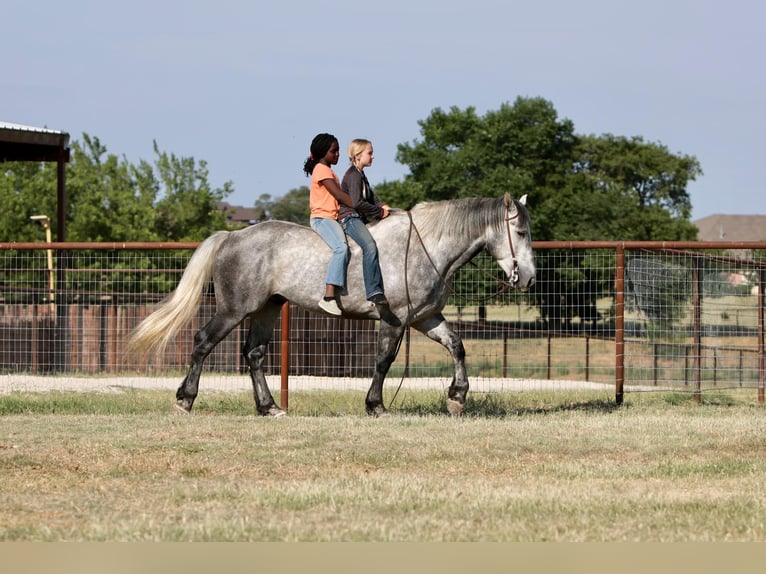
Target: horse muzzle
point(515, 279)
point(528, 286)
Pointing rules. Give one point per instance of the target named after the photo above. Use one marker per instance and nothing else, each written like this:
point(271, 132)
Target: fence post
point(505, 352)
point(741, 366)
point(284, 355)
point(549, 356)
point(619, 326)
point(35, 332)
point(761, 354)
point(697, 328)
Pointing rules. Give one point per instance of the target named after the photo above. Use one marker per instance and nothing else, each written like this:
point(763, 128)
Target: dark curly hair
point(320, 145)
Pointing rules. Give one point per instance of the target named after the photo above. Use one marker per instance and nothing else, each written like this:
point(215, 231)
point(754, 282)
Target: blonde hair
point(356, 147)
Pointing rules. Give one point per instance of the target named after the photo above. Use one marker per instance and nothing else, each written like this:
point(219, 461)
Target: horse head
point(511, 245)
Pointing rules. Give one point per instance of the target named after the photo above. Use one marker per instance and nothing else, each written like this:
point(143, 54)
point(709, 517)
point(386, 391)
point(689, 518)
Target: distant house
point(732, 228)
point(236, 215)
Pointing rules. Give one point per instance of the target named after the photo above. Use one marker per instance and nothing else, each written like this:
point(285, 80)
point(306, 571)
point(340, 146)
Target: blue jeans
point(357, 230)
point(332, 233)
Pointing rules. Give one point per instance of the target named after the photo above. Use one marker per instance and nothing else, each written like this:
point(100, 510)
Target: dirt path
point(39, 383)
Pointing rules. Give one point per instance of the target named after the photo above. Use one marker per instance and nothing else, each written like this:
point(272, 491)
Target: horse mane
point(465, 216)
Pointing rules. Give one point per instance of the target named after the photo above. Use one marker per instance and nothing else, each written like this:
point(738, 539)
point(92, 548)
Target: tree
point(26, 189)
point(188, 209)
point(578, 187)
point(294, 206)
point(521, 148)
point(263, 207)
point(644, 184)
point(108, 198)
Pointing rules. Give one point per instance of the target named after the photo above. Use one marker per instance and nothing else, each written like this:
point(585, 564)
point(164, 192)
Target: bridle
point(515, 264)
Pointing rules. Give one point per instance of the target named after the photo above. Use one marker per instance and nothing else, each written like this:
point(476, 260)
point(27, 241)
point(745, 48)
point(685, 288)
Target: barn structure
point(26, 143)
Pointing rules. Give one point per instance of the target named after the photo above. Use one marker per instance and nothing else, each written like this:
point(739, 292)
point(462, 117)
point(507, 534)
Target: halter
point(515, 264)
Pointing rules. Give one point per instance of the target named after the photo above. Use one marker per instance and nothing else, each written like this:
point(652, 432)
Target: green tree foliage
point(107, 198)
point(188, 209)
point(578, 187)
point(521, 148)
point(294, 206)
point(26, 189)
point(644, 182)
point(110, 199)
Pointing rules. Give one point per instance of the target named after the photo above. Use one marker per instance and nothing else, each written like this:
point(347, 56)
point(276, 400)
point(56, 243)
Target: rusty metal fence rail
point(634, 316)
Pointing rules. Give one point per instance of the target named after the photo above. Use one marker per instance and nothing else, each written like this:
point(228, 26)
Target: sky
point(244, 85)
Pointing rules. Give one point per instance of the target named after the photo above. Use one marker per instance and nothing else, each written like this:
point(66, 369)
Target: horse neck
point(448, 252)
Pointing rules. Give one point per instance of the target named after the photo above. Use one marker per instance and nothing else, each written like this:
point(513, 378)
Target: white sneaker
point(330, 307)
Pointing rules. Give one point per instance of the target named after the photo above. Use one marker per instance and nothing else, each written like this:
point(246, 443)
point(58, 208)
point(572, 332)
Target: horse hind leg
point(205, 341)
point(437, 329)
point(258, 337)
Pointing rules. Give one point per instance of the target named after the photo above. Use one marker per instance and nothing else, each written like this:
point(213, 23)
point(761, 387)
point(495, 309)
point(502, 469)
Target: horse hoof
point(274, 412)
point(182, 408)
point(377, 411)
point(454, 407)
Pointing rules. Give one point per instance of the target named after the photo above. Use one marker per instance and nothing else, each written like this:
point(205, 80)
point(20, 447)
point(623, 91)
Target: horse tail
point(153, 334)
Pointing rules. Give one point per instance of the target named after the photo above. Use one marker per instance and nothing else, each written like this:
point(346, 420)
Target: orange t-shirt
point(321, 202)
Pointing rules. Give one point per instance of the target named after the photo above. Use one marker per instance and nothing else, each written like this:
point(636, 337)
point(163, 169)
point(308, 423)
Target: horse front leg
point(205, 341)
point(438, 329)
point(254, 351)
point(389, 337)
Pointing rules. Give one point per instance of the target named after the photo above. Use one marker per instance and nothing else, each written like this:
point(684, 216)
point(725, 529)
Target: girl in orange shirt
point(325, 193)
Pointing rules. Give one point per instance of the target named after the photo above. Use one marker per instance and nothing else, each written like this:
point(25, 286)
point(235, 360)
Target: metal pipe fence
point(633, 316)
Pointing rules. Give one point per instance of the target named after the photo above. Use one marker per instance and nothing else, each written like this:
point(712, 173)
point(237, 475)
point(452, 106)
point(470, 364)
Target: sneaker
point(378, 299)
point(330, 307)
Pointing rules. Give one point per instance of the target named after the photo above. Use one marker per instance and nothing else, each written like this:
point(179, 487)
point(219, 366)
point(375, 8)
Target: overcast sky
point(245, 84)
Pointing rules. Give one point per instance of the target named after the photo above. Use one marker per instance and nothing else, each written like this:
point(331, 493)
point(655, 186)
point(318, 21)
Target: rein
point(515, 268)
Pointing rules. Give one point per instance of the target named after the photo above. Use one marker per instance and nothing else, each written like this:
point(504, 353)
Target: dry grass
point(521, 467)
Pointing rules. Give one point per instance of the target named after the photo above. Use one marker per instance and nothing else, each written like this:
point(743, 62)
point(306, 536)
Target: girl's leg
point(357, 230)
point(333, 234)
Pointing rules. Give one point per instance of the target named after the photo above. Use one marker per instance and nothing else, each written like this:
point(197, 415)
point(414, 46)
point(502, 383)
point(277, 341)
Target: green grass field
point(517, 467)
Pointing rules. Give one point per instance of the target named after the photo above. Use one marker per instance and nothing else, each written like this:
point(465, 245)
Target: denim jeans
point(357, 230)
point(332, 233)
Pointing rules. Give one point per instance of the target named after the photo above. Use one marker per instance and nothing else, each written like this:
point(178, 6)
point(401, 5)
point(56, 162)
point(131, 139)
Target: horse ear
point(507, 200)
point(523, 200)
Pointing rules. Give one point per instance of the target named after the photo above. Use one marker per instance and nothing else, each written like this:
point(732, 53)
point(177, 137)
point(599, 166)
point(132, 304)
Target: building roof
point(237, 213)
point(26, 143)
point(731, 228)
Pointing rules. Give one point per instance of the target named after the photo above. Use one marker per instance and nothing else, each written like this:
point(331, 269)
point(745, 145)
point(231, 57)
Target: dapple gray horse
point(255, 270)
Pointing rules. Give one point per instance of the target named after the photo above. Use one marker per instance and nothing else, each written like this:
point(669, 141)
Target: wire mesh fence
point(636, 316)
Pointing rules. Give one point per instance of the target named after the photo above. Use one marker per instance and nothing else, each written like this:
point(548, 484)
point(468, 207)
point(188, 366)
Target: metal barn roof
point(27, 143)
